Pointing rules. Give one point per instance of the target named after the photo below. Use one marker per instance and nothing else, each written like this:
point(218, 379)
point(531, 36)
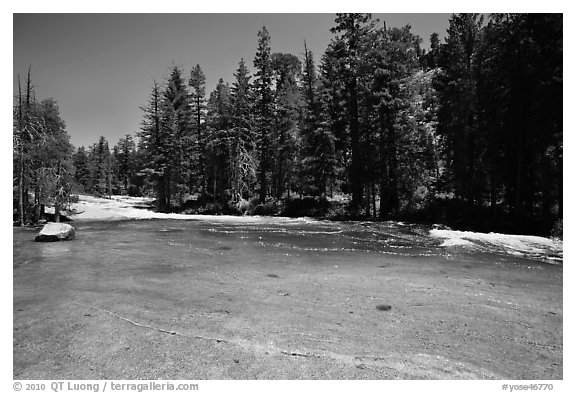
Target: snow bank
point(511, 244)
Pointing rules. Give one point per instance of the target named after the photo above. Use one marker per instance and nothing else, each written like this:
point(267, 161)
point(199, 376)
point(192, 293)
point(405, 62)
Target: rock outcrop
point(55, 231)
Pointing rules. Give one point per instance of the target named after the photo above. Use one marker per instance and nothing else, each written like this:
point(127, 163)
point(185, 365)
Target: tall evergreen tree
point(392, 62)
point(198, 102)
point(100, 157)
point(318, 147)
point(430, 59)
point(351, 32)
point(82, 169)
point(263, 108)
point(18, 145)
point(124, 156)
point(419, 162)
point(156, 147)
point(176, 121)
point(332, 97)
point(288, 104)
point(54, 180)
point(27, 131)
point(458, 106)
point(242, 146)
point(219, 122)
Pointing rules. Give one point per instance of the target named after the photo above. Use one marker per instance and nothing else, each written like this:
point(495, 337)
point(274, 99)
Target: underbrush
point(557, 229)
point(460, 215)
point(307, 206)
point(204, 207)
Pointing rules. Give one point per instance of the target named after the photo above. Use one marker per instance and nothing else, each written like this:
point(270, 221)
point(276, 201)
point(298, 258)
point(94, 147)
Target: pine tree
point(27, 130)
point(394, 59)
point(263, 108)
point(42, 154)
point(124, 152)
point(288, 103)
point(219, 123)
point(318, 148)
point(458, 111)
point(332, 97)
point(155, 146)
point(18, 152)
point(351, 32)
point(101, 167)
point(242, 146)
point(176, 122)
point(419, 164)
point(430, 59)
point(51, 160)
point(82, 170)
point(197, 85)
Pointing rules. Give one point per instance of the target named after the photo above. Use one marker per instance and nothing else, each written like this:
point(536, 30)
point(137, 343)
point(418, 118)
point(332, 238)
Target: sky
point(100, 67)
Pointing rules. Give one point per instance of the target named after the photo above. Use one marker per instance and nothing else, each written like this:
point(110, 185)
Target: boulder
point(55, 231)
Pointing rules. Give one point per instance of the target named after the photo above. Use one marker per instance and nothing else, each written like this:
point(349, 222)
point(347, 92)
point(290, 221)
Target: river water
point(165, 239)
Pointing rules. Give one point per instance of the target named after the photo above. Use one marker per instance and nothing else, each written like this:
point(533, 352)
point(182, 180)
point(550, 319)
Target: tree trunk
point(263, 185)
point(37, 197)
point(373, 199)
point(471, 181)
point(388, 169)
point(393, 173)
point(21, 189)
point(162, 193)
point(168, 191)
point(493, 190)
point(200, 151)
point(20, 158)
point(367, 204)
point(356, 165)
point(560, 191)
point(280, 166)
point(384, 205)
point(547, 192)
point(214, 193)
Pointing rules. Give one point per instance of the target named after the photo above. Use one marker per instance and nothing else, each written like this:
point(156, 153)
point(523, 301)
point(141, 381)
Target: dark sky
point(100, 67)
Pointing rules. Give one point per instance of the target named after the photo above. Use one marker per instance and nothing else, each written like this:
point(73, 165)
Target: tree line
point(468, 133)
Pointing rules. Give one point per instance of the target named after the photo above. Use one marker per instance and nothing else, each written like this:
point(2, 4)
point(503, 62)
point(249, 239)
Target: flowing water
point(164, 239)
